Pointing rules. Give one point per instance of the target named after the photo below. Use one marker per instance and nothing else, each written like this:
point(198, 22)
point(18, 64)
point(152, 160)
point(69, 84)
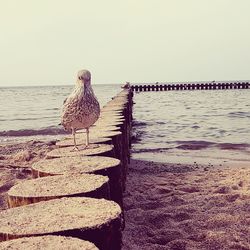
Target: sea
point(34, 112)
point(204, 126)
point(200, 126)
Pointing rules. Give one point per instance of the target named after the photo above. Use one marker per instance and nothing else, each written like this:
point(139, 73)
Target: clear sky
point(45, 42)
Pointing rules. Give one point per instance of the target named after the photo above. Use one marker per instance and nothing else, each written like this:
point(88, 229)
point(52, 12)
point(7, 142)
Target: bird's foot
point(75, 148)
point(90, 146)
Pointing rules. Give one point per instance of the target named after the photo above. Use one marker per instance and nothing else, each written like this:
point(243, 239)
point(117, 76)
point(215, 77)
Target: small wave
point(137, 136)
point(212, 128)
point(23, 119)
point(29, 132)
point(198, 145)
point(195, 127)
point(147, 123)
point(239, 114)
point(151, 150)
point(53, 109)
point(29, 118)
point(233, 146)
point(161, 123)
point(194, 145)
point(139, 123)
point(208, 143)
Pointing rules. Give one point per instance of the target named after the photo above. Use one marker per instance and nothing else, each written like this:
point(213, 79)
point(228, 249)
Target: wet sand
point(178, 206)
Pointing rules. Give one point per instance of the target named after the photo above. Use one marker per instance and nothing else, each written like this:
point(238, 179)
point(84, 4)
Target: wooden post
point(68, 142)
point(106, 166)
point(98, 149)
point(53, 187)
point(48, 242)
point(95, 220)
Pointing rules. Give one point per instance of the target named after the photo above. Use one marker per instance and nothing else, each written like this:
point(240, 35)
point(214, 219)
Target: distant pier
point(139, 87)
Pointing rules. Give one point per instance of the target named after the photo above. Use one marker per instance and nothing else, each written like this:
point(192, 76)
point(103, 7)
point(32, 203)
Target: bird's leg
point(88, 145)
point(87, 137)
point(74, 137)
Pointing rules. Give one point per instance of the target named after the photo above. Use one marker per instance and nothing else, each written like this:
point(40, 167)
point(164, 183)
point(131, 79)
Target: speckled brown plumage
point(81, 109)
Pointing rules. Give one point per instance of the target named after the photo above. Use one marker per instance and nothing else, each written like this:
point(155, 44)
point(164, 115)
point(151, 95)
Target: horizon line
point(53, 85)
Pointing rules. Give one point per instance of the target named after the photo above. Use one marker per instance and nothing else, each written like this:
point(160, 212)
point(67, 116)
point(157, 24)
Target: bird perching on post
point(81, 109)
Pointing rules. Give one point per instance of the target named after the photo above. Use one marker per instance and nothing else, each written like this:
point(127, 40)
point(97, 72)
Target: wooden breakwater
point(76, 194)
point(139, 87)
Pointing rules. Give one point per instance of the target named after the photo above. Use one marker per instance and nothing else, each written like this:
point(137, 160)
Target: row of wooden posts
point(190, 86)
point(75, 197)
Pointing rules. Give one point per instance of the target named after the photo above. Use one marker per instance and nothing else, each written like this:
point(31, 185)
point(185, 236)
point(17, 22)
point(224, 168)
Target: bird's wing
point(69, 111)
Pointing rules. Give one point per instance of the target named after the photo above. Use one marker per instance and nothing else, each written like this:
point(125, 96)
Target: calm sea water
point(35, 111)
point(178, 126)
point(172, 126)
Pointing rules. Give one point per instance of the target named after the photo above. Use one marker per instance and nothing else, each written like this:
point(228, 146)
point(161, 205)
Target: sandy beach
point(178, 206)
point(167, 206)
point(15, 163)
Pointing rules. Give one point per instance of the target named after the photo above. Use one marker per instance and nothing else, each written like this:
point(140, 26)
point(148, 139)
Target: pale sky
point(45, 42)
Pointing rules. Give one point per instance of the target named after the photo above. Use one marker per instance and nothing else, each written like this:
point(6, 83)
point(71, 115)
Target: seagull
point(81, 109)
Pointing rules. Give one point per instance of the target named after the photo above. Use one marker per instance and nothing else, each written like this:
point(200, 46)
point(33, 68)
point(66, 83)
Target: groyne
point(139, 87)
point(77, 193)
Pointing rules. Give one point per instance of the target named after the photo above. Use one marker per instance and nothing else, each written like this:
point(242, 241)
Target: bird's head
point(84, 77)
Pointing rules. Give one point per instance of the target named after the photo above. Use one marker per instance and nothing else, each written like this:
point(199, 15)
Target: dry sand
point(174, 206)
point(15, 163)
point(167, 206)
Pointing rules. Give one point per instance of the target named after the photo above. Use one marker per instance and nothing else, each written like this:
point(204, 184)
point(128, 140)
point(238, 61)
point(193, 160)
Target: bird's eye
point(79, 78)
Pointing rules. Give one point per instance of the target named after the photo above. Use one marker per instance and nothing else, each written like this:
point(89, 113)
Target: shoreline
point(196, 159)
